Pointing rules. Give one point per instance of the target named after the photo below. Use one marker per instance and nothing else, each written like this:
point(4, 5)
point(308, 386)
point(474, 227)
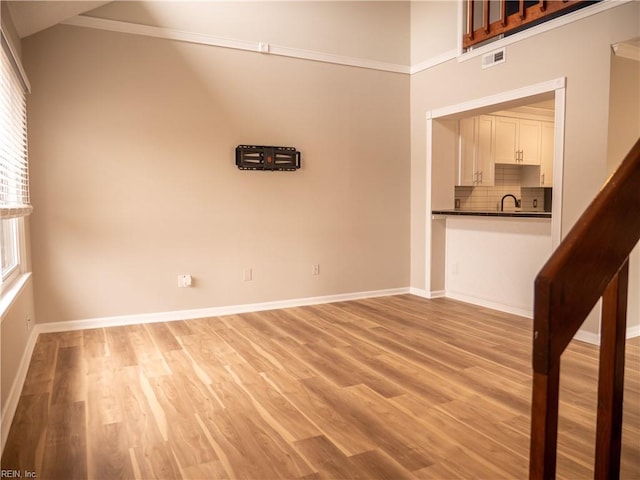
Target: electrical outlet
point(184, 281)
point(535, 202)
point(247, 275)
point(457, 204)
point(315, 269)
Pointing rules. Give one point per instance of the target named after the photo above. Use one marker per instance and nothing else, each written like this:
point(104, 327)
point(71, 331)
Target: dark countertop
point(493, 214)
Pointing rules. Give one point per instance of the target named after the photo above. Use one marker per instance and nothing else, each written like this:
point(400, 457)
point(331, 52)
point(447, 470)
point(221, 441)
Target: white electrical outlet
point(247, 275)
point(184, 281)
point(315, 269)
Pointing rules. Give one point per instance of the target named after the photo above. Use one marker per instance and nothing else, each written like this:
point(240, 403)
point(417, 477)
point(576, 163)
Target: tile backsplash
point(506, 180)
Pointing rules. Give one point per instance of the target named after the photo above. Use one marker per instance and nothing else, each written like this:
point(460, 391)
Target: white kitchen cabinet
point(529, 136)
point(484, 157)
point(475, 165)
point(541, 175)
point(546, 154)
point(466, 163)
point(506, 139)
point(517, 141)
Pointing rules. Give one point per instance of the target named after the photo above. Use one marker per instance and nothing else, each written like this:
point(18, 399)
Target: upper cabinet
point(546, 154)
point(476, 165)
point(487, 140)
point(517, 141)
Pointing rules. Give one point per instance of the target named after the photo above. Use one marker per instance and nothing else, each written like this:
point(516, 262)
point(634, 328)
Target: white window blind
point(14, 166)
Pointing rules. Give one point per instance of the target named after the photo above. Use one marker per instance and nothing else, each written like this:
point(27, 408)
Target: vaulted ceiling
point(30, 17)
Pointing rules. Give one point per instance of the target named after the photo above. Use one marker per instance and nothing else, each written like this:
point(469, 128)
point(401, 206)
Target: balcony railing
point(487, 19)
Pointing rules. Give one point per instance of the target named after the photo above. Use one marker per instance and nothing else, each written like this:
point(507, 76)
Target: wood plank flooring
point(387, 388)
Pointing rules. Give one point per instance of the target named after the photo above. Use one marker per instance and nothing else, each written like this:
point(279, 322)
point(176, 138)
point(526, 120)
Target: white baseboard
point(522, 312)
point(9, 408)
point(438, 294)
point(587, 337)
point(420, 292)
point(633, 332)
point(594, 338)
point(210, 311)
point(582, 335)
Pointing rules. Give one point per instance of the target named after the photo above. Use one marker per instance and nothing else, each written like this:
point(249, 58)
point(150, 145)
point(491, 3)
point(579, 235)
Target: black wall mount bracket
point(259, 157)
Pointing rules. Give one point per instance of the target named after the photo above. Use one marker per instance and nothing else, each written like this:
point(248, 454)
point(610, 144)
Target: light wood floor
point(396, 387)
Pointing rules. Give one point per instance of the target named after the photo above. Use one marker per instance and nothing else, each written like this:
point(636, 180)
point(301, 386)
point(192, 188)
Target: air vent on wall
point(493, 58)
point(259, 157)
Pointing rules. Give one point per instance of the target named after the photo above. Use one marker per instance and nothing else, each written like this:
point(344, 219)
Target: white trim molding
point(521, 312)
point(419, 292)
point(259, 47)
point(432, 62)
point(266, 48)
point(594, 338)
point(499, 98)
point(15, 58)
point(587, 337)
point(633, 332)
point(8, 296)
point(626, 50)
point(11, 404)
point(210, 311)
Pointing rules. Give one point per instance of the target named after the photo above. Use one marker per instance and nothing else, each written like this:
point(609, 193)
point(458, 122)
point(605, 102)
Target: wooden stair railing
point(511, 15)
point(592, 262)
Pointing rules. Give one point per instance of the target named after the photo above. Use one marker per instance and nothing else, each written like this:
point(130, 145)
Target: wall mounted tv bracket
point(258, 157)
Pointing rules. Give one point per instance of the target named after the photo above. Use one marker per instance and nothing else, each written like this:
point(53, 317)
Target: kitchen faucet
point(514, 199)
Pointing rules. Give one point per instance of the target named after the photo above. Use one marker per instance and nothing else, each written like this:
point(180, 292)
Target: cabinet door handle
point(542, 178)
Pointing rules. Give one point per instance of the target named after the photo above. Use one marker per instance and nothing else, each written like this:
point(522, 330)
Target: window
point(10, 251)
point(14, 173)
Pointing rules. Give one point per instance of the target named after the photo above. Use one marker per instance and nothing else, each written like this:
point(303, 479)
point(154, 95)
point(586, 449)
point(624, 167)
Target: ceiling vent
point(494, 58)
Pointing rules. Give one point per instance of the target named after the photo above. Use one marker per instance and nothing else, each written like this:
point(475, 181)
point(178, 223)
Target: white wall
point(624, 131)
point(364, 215)
point(132, 166)
point(494, 261)
point(14, 335)
point(579, 51)
point(370, 30)
point(433, 29)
